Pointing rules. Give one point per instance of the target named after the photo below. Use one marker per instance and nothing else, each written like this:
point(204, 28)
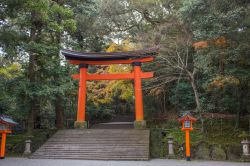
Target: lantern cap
point(7, 120)
point(245, 142)
point(187, 116)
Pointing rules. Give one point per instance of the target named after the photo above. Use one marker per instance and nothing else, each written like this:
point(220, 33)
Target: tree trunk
point(197, 99)
point(32, 80)
point(164, 100)
point(59, 101)
point(249, 122)
point(59, 113)
point(237, 123)
point(240, 93)
point(196, 95)
point(32, 117)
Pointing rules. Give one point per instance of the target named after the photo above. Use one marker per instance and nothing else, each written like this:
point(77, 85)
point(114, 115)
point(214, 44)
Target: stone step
point(98, 142)
point(143, 154)
point(91, 151)
point(95, 157)
point(87, 135)
point(99, 139)
point(91, 148)
point(94, 153)
point(92, 157)
point(83, 145)
point(94, 147)
point(103, 131)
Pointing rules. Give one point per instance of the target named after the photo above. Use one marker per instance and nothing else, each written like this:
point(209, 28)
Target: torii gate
point(135, 58)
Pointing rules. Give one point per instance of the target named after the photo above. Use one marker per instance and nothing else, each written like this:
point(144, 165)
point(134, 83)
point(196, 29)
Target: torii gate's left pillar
point(81, 120)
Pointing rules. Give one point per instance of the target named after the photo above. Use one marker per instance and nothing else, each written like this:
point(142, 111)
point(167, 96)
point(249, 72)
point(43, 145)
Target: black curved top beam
point(105, 56)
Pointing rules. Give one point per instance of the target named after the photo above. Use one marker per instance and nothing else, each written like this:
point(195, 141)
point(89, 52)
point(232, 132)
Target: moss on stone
point(156, 147)
point(140, 124)
point(15, 143)
point(218, 153)
point(81, 125)
point(202, 152)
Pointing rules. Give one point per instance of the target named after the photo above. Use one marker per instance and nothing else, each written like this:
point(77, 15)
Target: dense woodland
point(203, 65)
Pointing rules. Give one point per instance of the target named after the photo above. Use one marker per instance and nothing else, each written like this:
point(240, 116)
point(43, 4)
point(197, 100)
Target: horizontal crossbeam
point(130, 61)
point(127, 76)
point(5, 131)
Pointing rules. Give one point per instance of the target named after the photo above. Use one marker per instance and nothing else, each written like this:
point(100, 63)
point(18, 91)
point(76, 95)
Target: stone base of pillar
point(245, 158)
point(171, 156)
point(25, 154)
point(140, 124)
point(81, 125)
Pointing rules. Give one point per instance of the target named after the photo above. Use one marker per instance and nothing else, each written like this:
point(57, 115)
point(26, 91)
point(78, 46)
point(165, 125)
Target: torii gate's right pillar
point(139, 123)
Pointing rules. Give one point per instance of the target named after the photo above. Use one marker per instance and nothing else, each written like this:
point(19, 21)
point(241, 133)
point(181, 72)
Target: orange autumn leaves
point(221, 42)
point(221, 81)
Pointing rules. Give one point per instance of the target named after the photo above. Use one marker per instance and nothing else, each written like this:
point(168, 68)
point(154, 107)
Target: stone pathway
point(114, 125)
point(155, 162)
point(118, 122)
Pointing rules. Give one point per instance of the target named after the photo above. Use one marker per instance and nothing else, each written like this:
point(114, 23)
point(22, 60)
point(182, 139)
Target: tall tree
point(223, 26)
point(39, 24)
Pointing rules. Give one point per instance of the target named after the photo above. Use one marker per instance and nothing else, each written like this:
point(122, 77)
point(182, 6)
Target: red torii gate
point(84, 59)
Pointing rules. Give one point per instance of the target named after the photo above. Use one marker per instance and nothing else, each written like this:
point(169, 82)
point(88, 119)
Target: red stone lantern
point(187, 126)
point(6, 124)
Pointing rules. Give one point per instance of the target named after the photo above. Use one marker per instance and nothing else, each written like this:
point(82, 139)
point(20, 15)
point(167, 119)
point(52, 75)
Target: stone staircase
point(96, 144)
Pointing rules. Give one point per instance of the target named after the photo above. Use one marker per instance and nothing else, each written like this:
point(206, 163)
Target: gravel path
point(155, 162)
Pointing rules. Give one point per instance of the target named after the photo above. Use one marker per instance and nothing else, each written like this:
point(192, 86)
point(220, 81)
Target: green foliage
point(50, 74)
point(10, 72)
point(211, 20)
point(218, 133)
point(182, 96)
point(15, 145)
point(109, 91)
point(38, 29)
point(100, 115)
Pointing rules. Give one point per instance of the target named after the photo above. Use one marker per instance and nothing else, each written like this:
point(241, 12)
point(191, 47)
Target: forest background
point(203, 65)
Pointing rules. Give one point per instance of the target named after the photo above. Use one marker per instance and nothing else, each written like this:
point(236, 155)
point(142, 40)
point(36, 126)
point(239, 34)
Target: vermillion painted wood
point(3, 142)
point(77, 62)
point(187, 143)
point(127, 76)
point(82, 95)
point(138, 94)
